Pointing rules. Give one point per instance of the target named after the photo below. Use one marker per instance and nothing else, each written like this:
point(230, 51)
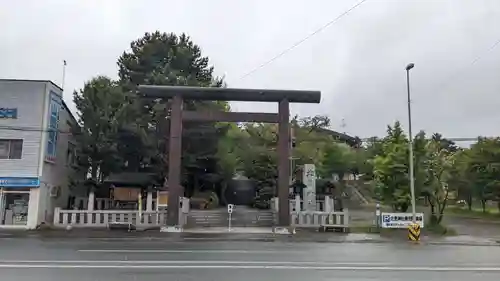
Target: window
point(11, 149)
point(53, 127)
point(71, 154)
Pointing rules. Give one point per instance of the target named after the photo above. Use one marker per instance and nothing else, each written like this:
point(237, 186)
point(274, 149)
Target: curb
point(146, 235)
point(276, 238)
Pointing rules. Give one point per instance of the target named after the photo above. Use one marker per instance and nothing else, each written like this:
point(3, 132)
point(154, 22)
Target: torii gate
point(179, 93)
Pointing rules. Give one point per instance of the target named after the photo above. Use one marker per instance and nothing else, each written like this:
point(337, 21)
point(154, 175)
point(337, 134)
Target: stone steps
point(239, 218)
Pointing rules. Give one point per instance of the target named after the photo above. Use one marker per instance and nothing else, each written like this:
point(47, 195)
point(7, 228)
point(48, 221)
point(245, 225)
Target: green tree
point(102, 110)
point(259, 155)
point(169, 59)
point(338, 159)
point(461, 180)
point(391, 170)
point(484, 166)
point(230, 151)
point(438, 165)
point(444, 143)
point(366, 156)
point(420, 152)
point(314, 122)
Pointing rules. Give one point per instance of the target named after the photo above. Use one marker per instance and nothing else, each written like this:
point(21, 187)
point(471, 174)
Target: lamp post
point(410, 143)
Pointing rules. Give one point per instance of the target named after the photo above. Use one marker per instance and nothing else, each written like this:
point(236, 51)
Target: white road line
point(185, 251)
point(242, 262)
point(222, 239)
point(194, 262)
point(276, 267)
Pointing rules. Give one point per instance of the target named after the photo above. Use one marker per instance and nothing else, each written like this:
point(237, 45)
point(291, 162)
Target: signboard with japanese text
point(401, 220)
point(162, 199)
point(8, 113)
point(309, 193)
point(55, 104)
point(19, 182)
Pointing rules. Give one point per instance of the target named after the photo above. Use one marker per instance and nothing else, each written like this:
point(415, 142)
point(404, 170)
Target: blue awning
point(19, 182)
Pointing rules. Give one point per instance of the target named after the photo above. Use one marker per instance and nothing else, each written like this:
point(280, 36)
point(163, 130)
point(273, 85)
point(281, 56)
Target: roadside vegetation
point(119, 132)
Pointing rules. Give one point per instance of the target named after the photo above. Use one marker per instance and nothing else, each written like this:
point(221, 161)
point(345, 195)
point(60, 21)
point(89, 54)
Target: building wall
point(35, 101)
point(28, 97)
point(57, 169)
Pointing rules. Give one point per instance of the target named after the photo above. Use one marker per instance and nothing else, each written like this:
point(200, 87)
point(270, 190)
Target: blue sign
point(8, 113)
point(386, 218)
point(19, 182)
point(401, 220)
point(53, 126)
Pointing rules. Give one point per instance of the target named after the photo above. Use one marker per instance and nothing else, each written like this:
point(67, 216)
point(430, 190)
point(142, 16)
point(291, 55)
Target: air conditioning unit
point(55, 191)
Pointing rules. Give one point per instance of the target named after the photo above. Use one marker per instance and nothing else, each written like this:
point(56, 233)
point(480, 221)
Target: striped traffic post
point(414, 232)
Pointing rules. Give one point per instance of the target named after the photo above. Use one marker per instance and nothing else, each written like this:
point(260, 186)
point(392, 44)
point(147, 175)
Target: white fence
point(107, 204)
point(324, 217)
point(298, 204)
point(323, 214)
point(102, 218)
point(294, 206)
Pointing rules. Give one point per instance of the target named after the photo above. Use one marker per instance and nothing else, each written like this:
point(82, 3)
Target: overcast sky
point(357, 63)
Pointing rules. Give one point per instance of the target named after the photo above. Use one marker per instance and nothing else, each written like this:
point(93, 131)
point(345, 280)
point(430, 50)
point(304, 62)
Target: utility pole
point(292, 145)
point(410, 144)
point(63, 74)
point(343, 125)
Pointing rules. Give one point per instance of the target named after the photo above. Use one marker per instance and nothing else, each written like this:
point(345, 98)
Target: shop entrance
point(14, 206)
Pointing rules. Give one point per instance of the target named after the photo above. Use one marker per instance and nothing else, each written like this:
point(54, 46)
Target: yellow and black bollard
point(414, 232)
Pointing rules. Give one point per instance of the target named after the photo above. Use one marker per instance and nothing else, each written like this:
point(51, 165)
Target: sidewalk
point(257, 235)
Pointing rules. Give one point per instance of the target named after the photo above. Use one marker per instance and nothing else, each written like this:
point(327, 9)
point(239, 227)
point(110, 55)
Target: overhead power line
point(37, 129)
point(302, 40)
point(471, 63)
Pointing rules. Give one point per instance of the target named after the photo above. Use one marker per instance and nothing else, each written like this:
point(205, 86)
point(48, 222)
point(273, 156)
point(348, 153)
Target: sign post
point(377, 216)
point(230, 208)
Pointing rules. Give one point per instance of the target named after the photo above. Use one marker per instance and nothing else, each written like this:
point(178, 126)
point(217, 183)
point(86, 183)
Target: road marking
point(244, 262)
point(184, 251)
point(195, 262)
point(220, 239)
point(277, 267)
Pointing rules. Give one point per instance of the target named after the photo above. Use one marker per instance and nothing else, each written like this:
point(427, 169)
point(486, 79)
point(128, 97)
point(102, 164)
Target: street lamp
point(410, 143)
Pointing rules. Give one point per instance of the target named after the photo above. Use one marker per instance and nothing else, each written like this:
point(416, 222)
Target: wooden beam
point(222, 116)
point(229, 94)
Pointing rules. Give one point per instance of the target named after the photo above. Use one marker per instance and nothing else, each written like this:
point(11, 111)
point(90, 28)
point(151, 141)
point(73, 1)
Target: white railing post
point(274, 204)
point(90, 206)
point(327, 206)
point(297, 203)
point(149, 201)
point(90, 202)
point(56, 215)
point(184, 211)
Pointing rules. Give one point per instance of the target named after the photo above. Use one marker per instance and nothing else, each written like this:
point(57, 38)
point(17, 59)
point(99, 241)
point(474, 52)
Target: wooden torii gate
point(177, 94)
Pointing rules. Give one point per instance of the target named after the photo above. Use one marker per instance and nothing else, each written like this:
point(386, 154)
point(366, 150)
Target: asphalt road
point(145, 260)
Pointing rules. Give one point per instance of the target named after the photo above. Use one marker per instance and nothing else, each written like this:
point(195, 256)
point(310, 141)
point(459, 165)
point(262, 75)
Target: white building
point(36, 152)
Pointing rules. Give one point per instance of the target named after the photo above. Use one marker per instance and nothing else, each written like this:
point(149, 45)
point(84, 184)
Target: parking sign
point(401, 220)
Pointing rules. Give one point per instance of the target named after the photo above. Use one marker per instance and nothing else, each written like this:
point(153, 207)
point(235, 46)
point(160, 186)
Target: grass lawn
point(475, 212)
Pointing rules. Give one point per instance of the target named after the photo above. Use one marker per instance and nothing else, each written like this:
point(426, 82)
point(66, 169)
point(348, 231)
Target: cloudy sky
point(358, 62)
